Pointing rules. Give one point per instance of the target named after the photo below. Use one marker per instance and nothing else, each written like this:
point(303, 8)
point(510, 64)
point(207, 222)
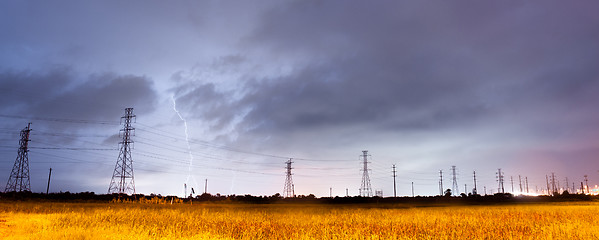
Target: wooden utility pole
point(394, 185)
point(48, 187)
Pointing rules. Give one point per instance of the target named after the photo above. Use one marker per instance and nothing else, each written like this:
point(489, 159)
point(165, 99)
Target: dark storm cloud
point(21, 89)
point(61, 93)
point(209, 104)
point(309, 99)
point(407, 66)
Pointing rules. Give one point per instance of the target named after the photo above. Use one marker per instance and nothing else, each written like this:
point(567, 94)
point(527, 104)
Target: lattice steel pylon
point(455, 188)
point(122, 178)
point(288, 190)
point(365, 189)
point(500, 181)
point(18, 181)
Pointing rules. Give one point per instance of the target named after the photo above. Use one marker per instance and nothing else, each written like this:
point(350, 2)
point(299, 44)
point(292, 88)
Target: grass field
point(52, 220)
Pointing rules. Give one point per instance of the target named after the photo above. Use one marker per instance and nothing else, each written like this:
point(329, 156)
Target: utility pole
point(206, 186)
point(365, 189)
point(412, 189)
point(48, 187)
point(18, 181)
point(122, 177)
point(288, 189)
point(500, 181)
point(346, 192)
point(394, 186)
point(440, 182)
point(331, 192)
point(455, 188)
point(465, 189)
point(485, 190)
point(475, 190)
point(526, 179)
point(185, 191)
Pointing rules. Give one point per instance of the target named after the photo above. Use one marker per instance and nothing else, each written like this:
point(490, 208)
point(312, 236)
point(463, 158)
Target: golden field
point(53, 220)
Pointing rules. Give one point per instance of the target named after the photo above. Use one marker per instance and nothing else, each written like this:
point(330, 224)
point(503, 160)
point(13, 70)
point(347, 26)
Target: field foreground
point(52, 220)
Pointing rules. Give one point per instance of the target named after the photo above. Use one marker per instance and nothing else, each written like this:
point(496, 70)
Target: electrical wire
point(66, 120)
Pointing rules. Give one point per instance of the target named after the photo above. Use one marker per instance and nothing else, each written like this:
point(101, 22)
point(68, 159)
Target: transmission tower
point(18, 181)
point(512, 181)
point(365, 189)
point(288, 190)
point(520, 183)
point(549, 193)
point(474, 191)
point(122, 178)
point(500, 181)
point(586, 184)
point(455, 187)
point(553, 187)
point(441, 182)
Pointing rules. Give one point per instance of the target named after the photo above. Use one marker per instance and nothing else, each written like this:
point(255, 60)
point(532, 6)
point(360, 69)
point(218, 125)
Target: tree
point(448, 192)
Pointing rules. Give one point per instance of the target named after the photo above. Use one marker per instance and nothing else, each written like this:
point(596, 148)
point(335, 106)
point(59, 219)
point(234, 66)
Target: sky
point(424, 85)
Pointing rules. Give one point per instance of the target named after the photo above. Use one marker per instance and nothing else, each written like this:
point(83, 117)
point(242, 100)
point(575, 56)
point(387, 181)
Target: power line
point(66, 120)
point(231, 149)
point(60, 134)
point(74, 148)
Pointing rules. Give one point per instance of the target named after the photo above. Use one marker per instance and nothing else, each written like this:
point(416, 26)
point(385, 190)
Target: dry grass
point(28, 220)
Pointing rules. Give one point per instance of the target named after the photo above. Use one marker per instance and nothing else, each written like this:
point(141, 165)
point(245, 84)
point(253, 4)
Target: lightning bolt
point(189, 176)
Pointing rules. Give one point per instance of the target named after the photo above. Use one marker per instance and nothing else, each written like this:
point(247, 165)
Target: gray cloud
point(100, 97)
point(501, 73)
point(61, 93)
